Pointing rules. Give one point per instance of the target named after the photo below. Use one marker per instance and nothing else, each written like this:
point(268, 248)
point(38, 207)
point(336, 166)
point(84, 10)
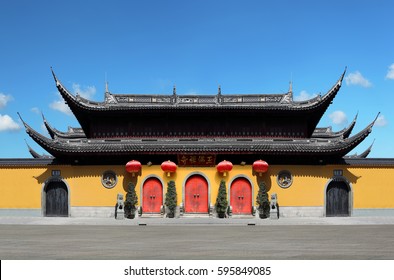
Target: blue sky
point(148, 46)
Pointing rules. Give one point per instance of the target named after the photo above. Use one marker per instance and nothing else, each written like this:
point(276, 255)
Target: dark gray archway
point(56, 199)
point(338, 199)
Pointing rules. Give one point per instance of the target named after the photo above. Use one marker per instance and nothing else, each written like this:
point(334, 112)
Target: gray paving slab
point(196, 238)
point(366, 220)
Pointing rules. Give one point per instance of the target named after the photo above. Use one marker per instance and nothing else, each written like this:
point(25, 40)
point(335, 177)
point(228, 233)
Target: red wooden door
point(241, 196)
point(196, 195)
point(152, 198)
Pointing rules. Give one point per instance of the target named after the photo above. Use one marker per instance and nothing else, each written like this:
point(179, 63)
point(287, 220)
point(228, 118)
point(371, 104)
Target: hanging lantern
point(168, 167)
point(224, 167)
point(133, 167)
point(260, 166)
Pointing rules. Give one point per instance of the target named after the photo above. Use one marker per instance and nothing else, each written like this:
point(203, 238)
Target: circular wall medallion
point(109, 179)
point(284, 179)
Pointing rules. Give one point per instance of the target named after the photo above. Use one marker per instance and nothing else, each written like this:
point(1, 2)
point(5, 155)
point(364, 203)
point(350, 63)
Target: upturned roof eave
point(77, 103)
point(55, 133)
point(348, 130)
point(33, 153)
point(344, 133)
point(89, 147)
point(52, 131)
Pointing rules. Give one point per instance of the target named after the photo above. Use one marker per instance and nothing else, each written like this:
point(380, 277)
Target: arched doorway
point(152, 196)
point(196, 195)
point(241, 196)
point(338, 199)
point(56, 199)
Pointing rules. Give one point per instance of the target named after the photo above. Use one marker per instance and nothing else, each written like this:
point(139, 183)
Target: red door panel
point(152, 198)
point(241, 196)
point(196, 195)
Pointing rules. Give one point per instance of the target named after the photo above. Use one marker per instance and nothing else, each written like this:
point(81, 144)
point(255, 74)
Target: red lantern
point(260, 166)
point(133, 167)
point(224, 167)
point(168, 167)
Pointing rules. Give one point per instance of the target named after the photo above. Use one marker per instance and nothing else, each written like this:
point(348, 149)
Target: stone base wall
point(288, 212)
point(382, 212)
point(99, 212)
point(20, 212)
point(284, 212)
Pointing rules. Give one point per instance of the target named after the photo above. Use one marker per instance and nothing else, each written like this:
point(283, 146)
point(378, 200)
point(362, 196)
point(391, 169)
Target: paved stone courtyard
point(84, 238)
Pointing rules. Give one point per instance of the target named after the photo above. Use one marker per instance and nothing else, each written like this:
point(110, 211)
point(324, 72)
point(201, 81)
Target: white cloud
point(86, 91)
point(61, 106)
point(381, 121)
point(338, 117)
point(8, 124)
point(35, 110)
point(304, 96)
point(390, 72)
point(4, 99)
point(357, 79)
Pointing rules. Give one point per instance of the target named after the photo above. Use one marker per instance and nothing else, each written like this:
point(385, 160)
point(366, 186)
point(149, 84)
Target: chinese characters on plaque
point(196, 160)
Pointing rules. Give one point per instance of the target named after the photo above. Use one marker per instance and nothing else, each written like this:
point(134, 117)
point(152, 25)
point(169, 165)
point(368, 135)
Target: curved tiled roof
point(326, 132)
point(323, 143)
point(72, 132)
point(362, 155)
point(76, 133)
point(304, 115)
point(110, 147)
point(129, 102)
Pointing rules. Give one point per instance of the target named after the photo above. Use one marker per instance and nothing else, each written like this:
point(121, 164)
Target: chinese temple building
point(197, 141)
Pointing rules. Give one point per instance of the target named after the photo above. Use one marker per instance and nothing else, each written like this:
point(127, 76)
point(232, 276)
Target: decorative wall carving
point(109, 179)
point(284, 179)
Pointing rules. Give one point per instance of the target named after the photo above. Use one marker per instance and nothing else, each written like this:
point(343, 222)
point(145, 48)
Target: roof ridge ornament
point(106, 86)
point(291, 90)
point(219, 97)
point(110, 99)
point(106, 83)
point(288, 98)
point(174, 98)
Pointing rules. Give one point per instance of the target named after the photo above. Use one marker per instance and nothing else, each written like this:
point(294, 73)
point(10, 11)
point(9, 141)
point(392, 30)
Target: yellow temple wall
point(19, 188)
point(372, 187)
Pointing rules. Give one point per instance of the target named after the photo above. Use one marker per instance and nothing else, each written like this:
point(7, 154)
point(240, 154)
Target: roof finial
point(219, 90)
point(174, 89)
point(106, 83)
point(106, 86)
